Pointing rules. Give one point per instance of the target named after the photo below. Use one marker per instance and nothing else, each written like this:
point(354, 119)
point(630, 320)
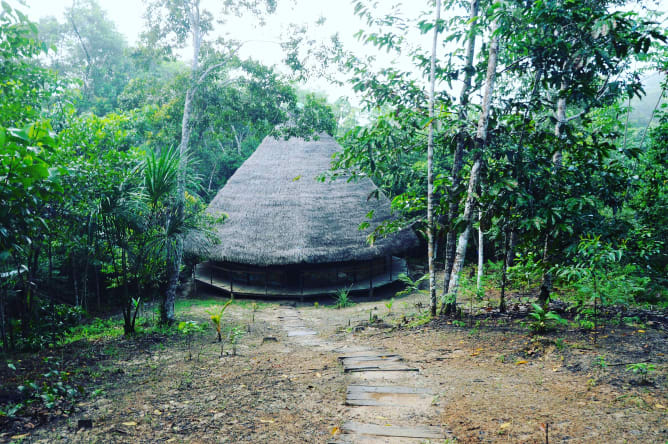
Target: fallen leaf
point(641, 331)
point(521, 362)
point(318, 375)
point(336, 431)
point(157, 412)
point(129, 424)
point(25, 435)
point(267, 421)
point(659, 406)
point(505, 425)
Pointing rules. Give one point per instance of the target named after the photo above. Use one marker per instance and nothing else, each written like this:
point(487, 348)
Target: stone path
point(387, 399)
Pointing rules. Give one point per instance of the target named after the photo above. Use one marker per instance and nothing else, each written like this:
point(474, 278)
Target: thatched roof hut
point(279, 215)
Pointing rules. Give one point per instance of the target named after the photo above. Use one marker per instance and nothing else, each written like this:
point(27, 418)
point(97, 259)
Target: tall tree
point(430, 166)
point(170, 24)
point(480, 142)
point(462, 141)
point(91, 54)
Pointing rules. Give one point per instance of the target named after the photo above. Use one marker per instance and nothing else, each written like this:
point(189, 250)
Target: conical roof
point(279, 214)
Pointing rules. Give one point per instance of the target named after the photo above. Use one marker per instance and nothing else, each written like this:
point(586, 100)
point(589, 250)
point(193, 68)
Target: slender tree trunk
point(561, 119)
point(504, 272)
point(557, 159)
point(126, 295)
point(430, 168)
point(213, 172)
point(546, 284)
point(481, 137)
point(3, 330)
point(462, 138)
point(75, 284)
point(481, 257)
point(174, 260)
point(236, 139)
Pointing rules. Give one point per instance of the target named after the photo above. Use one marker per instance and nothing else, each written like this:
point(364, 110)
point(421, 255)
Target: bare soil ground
point(495, 382)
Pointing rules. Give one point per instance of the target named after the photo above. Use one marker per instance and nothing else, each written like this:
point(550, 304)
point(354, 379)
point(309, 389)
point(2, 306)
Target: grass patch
point(96, 329)
point(184, 305)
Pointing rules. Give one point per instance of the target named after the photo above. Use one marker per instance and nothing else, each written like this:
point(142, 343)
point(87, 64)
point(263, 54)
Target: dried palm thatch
point(279, 214)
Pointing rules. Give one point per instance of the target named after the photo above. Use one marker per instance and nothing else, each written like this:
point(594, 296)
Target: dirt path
point(387, 399)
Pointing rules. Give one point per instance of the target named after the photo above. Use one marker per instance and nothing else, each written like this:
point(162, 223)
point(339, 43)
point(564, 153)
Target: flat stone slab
point(386, 396)
point(378, 362)
point(302, 333)
point(424, 432)
point(370, 357)
point(392, 389)
point(376, 368)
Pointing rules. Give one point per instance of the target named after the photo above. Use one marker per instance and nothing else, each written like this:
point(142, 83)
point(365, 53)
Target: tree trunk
point(481, 137)
point(481, 252)
point(430, 168)
point(561, 119)
point(174, 260)
point(3, 330)
point(462, 138)
point(504, 272)
point(127, 327)
point(546, 284)
point(557, 158)
point(74, 281)
point(236, 140)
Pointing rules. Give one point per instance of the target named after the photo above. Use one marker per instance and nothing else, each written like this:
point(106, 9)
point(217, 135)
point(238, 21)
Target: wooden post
point(266, 278)
point(371, 278)
point(301, 286)
point(211, 273)
point(391, 265)
point(231, 285)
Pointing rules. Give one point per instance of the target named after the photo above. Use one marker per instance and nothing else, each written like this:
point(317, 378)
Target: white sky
point(339, 14)
point(262, 41)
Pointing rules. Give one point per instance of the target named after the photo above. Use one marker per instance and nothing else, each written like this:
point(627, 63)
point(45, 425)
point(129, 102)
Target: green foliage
point(234, 335)
point(53, 391)
point(411, 286)
point(641, 368)
point(96, 329)
point(543, 320)
point(389, 305)
point(342, 299)
point(189, 329)
point(597, 275)
point(91, 53)
point(600, 362)
point(217, 318)
point(526, 271)
point(559, 344)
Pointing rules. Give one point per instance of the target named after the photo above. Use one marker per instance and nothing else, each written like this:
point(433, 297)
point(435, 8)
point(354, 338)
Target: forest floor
point(494, 381)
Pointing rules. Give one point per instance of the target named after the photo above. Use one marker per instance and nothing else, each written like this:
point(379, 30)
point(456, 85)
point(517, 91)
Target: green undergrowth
point(184, 305)
point(107, 328)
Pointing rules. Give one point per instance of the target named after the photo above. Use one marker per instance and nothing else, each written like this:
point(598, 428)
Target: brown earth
point(495, 382)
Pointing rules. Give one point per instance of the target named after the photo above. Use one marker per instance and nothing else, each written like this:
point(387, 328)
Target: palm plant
point(170, 222)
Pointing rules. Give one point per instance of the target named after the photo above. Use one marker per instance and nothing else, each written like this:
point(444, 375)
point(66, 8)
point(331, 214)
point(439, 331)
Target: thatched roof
point(279, 214)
